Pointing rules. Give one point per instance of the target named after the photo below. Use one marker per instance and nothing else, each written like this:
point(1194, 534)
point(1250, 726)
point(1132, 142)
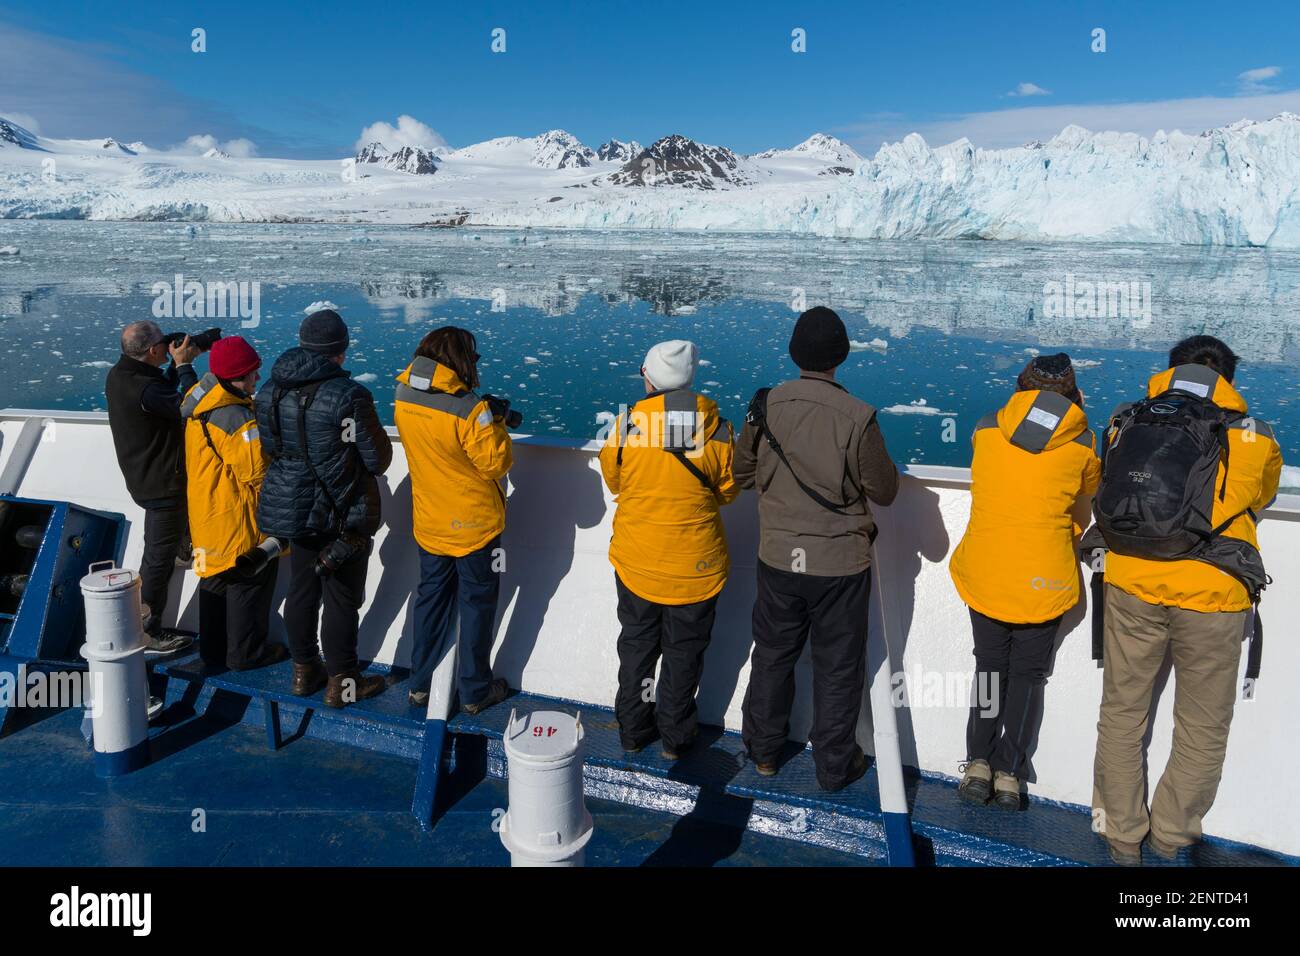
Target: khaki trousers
point(1206, 649)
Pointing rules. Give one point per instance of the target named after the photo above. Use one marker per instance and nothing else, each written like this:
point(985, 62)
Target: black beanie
point(324, 332)
point(820, 342)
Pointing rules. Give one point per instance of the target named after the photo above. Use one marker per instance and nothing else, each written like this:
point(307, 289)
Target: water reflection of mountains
point(978, 289)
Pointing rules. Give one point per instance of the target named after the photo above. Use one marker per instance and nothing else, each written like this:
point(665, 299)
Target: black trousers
point(790, 608)
point(165, 528)
point(678, 632)
point(342, 594)
point(234, 614)
point(1011, 663)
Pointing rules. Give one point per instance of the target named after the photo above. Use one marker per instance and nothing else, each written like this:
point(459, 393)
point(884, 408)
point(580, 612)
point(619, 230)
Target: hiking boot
point(417, 698)
point(1006, 791)
point(352, 686)
point(1166, 851)
point(268, 655)
point(976, 783)
point(168, 642)
point(857, 770)
point(1124, 854)
point(497, 691)
point(308, 678)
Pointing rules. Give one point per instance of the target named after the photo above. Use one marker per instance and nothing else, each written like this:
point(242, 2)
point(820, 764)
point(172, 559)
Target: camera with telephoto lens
point(500, 408)
point(254, 561)
point(203, 340)
point(338, 552)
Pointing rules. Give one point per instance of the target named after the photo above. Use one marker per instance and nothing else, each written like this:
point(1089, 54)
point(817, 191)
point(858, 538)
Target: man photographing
point(144, 415)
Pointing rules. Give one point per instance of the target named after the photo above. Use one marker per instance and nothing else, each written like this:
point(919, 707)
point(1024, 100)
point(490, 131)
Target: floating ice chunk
point(531, 360)
point(875, 345)
point(366, 377)
point(98, 364)
point(8, 250)
point(918, 407)
point(318, 306)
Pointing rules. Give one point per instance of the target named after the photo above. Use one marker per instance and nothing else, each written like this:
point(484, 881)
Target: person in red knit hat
point(225, 467)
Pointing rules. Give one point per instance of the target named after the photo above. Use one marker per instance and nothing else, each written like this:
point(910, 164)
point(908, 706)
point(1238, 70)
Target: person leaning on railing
point(668, 462)
point(458, 450)
point(1017, 567)
point(144, 415)
point(1195, 609)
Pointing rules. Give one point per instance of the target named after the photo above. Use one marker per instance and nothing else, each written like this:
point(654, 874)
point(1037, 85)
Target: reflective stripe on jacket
point(1032, 460)
point(457, 453)
point(668, 545)
point(225, 467)
point(1254, 469)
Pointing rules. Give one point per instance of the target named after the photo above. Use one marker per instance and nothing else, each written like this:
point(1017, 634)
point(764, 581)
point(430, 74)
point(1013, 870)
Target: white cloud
point(1029, 89)
point(22, 119)
point(1014, 127)
point(1252, 81)
point(200, 143)
point(409, 131)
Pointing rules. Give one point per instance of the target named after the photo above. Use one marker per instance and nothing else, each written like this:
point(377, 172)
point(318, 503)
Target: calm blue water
point(564, 319)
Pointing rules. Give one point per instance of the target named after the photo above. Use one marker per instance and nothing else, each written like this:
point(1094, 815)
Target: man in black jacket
point(144, 415)
point(325, 447)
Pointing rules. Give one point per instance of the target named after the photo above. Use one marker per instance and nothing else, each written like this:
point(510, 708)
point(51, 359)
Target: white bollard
point(115, 650)
point(547, 823)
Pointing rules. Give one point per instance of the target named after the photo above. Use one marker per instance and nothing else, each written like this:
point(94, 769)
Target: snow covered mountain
point(678, 161)
point(1236, 185)
point(555, 149)
point(407, 159)
point(818, 146)
point(617, 151)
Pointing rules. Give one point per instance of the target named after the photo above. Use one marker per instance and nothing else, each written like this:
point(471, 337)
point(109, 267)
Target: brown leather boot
point(308, 678)
point(352, 686)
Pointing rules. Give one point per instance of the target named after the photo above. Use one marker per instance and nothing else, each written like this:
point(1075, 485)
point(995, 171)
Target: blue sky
point(295, 84)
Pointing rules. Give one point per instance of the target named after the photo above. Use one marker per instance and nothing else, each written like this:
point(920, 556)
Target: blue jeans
point(462, 588)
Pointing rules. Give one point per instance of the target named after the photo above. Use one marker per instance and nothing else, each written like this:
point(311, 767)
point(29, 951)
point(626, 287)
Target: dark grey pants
point(680, 634)
point(789, 609)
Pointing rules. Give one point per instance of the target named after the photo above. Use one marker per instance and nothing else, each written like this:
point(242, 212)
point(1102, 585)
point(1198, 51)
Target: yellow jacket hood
point(425, 375)
point(1039, 421)
point(1199, 380)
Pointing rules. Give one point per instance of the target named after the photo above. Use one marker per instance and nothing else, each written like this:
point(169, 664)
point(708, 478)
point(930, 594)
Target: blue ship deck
point(337, 791)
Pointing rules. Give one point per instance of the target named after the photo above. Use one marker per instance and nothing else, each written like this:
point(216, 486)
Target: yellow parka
point(1254, 469)
point(1017, 560)
point(668, 544)
point(457, 453)
point(224, 467)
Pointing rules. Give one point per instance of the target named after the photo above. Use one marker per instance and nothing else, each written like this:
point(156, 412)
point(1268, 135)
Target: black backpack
point(1158, 489)
point(1159, 461)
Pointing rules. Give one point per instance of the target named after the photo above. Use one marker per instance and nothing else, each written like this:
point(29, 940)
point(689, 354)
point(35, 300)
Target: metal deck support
point(442, 697)
point(884, 721)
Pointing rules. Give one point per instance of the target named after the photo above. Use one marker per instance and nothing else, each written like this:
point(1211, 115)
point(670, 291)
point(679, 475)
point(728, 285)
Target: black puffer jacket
point(347, 444)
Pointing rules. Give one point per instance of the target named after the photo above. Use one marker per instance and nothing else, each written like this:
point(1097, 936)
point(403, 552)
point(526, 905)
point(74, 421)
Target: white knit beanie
point(671, 364)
